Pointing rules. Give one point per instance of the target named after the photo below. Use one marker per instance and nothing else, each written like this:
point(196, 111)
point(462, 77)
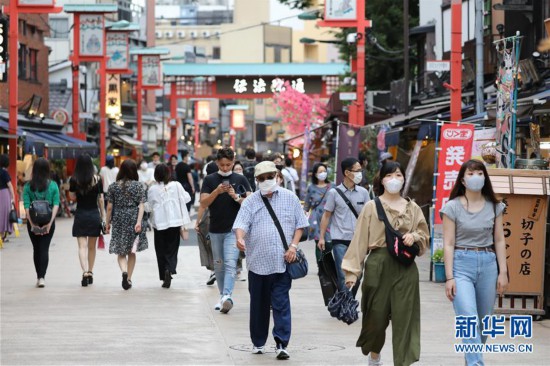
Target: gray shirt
point(342, 224)
point(473, 229)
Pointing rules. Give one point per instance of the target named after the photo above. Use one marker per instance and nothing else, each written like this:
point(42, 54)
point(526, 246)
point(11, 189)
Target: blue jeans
point(475, 276)
point(265, 291)
point(338, 252)
point(225, 253)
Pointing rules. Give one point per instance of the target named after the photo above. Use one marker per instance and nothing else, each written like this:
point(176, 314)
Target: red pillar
point(102, 108)
point(173, 143)
point(456, 60)
point(362, 24)
point(76, 78)
point(196, 130)
point(13, 99)
point(139, 98)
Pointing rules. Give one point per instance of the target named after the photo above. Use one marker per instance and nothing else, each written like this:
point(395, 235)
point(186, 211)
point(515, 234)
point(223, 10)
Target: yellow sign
point(112, 105)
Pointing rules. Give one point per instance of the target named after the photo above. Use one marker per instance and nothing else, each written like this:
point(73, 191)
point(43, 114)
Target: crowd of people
point(251, 208)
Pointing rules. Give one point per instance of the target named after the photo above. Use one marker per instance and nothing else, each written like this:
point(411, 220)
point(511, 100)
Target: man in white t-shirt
point(108, 173)
point(146, 174)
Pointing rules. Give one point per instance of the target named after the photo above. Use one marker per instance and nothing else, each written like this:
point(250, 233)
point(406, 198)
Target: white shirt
point(146, 176)
point(108, 176)
point(289, 181)
point(167, 205)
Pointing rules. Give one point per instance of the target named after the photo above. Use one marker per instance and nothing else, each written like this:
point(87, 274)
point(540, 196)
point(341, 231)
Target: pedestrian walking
point(292, 175)
point(41, 202)
point(248, 167)
point(238, 168)
point(7, 197)
point(474, 249)
point(125, 216)
point(87, 188)
point(108, 173)
point(185, 178)
point(146, 174)
point(172, 166)
point(167, 203)
point(390, 288)
point(155, 160)
point(219, 194)
point(268, 281)
point(343, 205)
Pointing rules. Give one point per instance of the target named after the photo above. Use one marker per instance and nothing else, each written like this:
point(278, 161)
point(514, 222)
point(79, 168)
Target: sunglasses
point(269, 177)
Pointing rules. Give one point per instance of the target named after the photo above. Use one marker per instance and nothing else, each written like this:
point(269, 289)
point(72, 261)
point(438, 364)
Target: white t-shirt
point(146, 176)
point(167, 205)
point(108, 176)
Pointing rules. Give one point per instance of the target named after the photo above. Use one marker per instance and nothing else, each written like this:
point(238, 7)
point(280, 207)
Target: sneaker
point(218, 305)
point(211, 279)
point(258, 350)
point(282, 353)
point(41, 283)
point(240, 277)
point(227, 304)
point(373, 362)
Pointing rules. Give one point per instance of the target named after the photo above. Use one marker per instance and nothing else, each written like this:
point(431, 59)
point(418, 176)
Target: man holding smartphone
point(219, 194)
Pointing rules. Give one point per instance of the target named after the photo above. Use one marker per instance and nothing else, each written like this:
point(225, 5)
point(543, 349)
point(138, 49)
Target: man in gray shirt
point(342, 225)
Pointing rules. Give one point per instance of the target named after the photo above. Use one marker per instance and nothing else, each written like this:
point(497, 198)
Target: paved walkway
point(66, 324)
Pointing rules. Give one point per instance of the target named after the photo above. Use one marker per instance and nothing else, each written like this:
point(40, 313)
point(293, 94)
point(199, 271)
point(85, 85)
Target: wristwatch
point(237, 197)
point(294, 246)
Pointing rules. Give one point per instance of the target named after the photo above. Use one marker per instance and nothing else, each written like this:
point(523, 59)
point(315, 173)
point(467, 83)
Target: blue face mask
point(474, 183)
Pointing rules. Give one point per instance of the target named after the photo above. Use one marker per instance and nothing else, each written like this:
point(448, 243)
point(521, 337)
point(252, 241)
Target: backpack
point(249, 175)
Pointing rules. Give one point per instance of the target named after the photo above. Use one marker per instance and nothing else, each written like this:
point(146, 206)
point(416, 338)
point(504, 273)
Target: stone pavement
point(66, 324)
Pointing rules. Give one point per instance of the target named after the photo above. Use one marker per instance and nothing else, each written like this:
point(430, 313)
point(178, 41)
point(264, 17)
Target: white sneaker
point(373, 362)
point(41, 283)
point(258, 350)
point(218, 305)
point(240, 277)
point(227, 304)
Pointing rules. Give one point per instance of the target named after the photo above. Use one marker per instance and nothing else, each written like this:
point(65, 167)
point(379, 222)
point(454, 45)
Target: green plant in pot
point(439, 266)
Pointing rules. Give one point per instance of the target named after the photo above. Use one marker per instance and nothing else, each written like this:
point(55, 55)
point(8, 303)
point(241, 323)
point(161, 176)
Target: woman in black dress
point(87, 188)
point(125, 214)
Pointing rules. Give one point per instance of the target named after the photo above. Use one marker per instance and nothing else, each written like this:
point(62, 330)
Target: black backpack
point(249, 175)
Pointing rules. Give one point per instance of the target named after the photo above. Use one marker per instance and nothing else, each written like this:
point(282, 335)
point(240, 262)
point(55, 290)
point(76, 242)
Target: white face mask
point(357, 177)
point(267, 185)
point(475, 183)
point(225, 174)
point(322, 176)
point(143, 166)
point(393, 185)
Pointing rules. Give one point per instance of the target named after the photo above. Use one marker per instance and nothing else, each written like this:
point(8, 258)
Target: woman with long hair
point(389, 287)
point(41, 188)
point(474, 248)
point(87, 188)
point(126, 199)
point(167, 203)
point(6, 198)
point(315, 200)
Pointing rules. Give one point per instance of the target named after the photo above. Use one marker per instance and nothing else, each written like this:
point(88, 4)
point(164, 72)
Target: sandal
point(125, 283)
point(84, 281)
point(90, 277)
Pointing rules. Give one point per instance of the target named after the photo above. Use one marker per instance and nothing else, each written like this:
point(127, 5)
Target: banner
point(113, 105)
point(3, 49)
point(150, 72)
point(484, 140)
point(91, 34)
point(456, 149)
point(348, 146)
point(117, 50)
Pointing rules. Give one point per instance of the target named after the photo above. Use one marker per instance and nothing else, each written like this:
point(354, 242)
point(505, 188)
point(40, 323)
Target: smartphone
point(225, 182)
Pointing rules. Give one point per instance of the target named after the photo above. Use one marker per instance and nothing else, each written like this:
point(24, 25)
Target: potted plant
point(439, 266)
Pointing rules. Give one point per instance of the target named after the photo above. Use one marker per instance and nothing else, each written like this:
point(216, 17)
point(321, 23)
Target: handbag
point(40, 212)
point(299, 267)
point(328, 278)
point(13, 216)
point(394, 240)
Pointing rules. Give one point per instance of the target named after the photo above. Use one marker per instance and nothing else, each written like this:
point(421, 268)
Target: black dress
point(87, 220)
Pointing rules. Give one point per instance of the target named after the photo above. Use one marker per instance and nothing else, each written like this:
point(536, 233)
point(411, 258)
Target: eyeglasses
point(269, 177)
point(356, 171)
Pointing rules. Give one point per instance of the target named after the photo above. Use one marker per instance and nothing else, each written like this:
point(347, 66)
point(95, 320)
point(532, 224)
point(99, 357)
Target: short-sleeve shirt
point(182, 169)
point(4, 179)
point(86, 200)
point(51, 194)
point(473, 229)
point(342, 224)
point(224, 208)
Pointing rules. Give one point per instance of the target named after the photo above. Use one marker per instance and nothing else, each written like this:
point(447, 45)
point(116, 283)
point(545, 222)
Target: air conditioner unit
point(181, 34)
point(158, 34)
point(193, 34)
point(217, 34)
point(169, 34)
point(206, 34)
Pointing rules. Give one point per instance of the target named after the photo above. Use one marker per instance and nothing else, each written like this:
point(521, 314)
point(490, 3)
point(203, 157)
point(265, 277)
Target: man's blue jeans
point(338, 251)
point(225, 253)
point(475, 275)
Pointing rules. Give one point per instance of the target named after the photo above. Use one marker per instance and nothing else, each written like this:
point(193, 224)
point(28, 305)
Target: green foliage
point(437, 257)
point(297, 4)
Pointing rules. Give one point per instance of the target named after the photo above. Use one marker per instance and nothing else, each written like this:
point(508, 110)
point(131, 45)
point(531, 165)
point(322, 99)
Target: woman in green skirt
point(390, 289)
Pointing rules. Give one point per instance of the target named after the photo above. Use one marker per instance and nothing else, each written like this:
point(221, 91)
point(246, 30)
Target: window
point(22, 62)
point(216, 53)
point(59, 28)
point(33, 65)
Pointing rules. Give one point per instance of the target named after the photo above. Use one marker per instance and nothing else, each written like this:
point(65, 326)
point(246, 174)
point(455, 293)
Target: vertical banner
point(348, 146)
point(305, 163)
point(113, 104)
point(411, 166)
point(117, 50)
point(3, 49)
point(91, 35)
point(340, 10)
point(456, 149)
point(151, 71)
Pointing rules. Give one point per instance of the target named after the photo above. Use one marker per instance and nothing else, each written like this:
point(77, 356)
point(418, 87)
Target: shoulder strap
point(322, 197)
point(382, 214)
point(347, 202)
point(276, 221)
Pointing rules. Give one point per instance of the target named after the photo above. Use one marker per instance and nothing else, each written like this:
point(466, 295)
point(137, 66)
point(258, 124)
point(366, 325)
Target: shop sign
point(261, 86)
point(117, 50)
point(113, 103)
point(150, 71)
point(456, 149)
point(348, 145)
point(238, 121)
point(438, 65)
point(202, 111)
point(91, 35)
point(340, 10)
point(61, 116)
point(3, 49)
point(524, 232)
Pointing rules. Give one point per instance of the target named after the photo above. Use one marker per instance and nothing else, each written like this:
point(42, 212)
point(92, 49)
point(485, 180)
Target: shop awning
point(129, 141)
point(58, 145)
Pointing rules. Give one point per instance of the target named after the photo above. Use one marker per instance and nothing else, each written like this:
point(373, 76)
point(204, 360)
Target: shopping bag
point(327, 276)
point(135, 245)
point(101, 242)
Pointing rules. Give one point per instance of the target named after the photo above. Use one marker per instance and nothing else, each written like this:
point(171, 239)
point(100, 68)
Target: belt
point(478, 249)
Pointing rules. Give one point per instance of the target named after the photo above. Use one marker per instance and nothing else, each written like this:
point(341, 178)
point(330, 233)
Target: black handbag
point(299, 267)
point(394, 240)
point(40, 212)
point(328, 278)
point(13, 216)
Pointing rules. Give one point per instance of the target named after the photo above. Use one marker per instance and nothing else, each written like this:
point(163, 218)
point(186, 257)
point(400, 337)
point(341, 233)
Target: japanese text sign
point(202, 111)
point(340, 10)
point(456, 149)
point(238, 119)
point(112, 105)
point(117, 50)
point(150, 71)
point(3, 48)
point(91, 35)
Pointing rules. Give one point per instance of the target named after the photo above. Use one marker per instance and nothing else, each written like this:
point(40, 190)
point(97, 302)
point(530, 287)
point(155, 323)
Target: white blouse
point(166, 203)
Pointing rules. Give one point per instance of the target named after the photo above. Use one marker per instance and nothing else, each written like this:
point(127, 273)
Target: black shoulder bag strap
point(347, 202)
point(382, 215)
point(276, 221)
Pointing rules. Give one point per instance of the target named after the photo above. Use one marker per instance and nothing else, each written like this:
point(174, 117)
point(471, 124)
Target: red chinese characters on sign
point(456, 149)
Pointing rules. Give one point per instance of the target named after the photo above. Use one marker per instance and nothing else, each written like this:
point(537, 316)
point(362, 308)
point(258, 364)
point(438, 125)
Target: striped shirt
point(264, 247)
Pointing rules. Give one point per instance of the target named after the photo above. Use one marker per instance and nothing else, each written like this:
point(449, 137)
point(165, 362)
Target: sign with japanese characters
point(117, 50)
point(91, 34)
point(150, 71)
point(202, 111)
point(524, 227)
point(340, 10)
point(456, 149)
point(238, 121)
point(3, 49)
point(263, 86)
point(112, 105)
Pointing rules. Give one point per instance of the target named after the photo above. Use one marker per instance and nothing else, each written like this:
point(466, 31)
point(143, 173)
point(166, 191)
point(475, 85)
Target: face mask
point(357, 177)
point(143, 166)
point(393, 185)
point(225, 174)
point(267, 185)
point(475, 183)
point(239, 173)
point(322, 176)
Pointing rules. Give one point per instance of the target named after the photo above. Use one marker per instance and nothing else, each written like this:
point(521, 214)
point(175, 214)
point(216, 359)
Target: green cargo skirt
point(390, 290)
